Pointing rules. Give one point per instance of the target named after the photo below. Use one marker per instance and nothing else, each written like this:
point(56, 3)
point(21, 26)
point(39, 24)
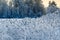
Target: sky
point(45, 2)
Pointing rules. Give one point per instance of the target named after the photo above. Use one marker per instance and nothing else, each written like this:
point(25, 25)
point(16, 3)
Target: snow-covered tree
point(39, 8)
point(52, 7)
point(21, 8)
point(28, 8)
point(35, 8)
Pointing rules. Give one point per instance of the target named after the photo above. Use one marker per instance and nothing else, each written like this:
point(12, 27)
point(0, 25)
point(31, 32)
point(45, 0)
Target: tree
point(3, 8)
point(39, 7)
point(52, 7)
point(36, 6)
point(28, 8)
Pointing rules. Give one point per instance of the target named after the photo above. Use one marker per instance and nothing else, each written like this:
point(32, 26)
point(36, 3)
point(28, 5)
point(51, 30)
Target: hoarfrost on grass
point(46, 27)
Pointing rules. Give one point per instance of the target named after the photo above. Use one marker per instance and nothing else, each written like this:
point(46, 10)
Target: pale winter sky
point(45, 2)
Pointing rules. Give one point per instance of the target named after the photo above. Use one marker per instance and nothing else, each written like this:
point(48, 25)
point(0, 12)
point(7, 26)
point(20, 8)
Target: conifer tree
point(52, 7)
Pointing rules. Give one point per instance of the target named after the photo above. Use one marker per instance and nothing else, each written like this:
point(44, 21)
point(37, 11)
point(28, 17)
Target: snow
point(46, 27)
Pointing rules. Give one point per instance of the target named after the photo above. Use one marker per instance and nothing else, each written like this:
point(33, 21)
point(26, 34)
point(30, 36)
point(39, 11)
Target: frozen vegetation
point(46, 27)
point(32, 21)
point(21, 8)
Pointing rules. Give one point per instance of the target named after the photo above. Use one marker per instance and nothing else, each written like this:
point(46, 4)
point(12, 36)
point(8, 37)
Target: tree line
point(24, 8)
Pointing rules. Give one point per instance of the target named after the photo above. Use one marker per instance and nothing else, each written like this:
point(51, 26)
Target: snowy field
point(45, 28)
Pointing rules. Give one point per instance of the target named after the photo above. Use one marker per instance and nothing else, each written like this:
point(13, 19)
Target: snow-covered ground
point(45, 28)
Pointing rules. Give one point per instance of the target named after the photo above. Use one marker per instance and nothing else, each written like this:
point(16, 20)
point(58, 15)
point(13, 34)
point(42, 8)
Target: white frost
point(45, 28)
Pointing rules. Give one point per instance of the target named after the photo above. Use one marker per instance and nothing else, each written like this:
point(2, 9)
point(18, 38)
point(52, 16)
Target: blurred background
point(27, 8)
